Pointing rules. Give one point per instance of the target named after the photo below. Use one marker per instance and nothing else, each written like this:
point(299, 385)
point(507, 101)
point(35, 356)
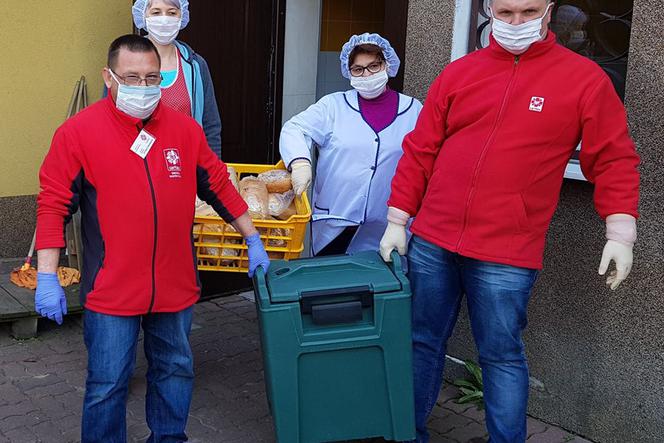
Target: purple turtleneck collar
point(380, 112)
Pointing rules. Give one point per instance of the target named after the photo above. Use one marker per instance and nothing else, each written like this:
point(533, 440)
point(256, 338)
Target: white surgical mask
point(517, 38)
point(372, 86)
point(137, 101)
point(162, 28)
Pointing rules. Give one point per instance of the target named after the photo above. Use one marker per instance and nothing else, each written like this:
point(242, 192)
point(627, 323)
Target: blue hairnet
point(391, 57)
point(138, 11)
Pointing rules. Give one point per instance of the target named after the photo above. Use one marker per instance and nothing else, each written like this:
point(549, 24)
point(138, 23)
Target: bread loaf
point(290, 211)
point(277, 180)
point(279, 203)
point(254, 192)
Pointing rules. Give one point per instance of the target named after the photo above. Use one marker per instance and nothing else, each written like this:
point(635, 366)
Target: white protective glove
point(621, 235)
point(395, 233)
point(301, 176)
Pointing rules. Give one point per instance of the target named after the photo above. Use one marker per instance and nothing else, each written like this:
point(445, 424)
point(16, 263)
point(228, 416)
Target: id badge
point(143, 143)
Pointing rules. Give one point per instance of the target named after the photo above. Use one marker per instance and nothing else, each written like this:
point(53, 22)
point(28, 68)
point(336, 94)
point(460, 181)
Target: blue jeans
point(497, 297)
point(111, 343)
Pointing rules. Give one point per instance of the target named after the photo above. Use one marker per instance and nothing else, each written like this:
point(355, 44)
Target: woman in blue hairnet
point(359, 134)
point(187, 84)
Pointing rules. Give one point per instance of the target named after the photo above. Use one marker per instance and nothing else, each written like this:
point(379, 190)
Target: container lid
point(287, 280)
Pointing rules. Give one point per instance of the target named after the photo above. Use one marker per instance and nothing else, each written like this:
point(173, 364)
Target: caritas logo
point(537, 104)
point(173, 165)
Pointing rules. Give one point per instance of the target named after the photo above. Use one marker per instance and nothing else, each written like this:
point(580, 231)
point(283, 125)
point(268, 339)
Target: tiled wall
point(343, 18)
point(329, 74)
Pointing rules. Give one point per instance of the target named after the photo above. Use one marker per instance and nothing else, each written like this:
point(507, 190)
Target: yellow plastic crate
point(220, 248)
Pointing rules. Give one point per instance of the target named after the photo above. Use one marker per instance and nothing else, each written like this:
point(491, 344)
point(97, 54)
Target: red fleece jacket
point(482, 170)
point(137, 214)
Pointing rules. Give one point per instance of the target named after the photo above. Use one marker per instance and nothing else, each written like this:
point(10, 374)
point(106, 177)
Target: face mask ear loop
point(110, 71)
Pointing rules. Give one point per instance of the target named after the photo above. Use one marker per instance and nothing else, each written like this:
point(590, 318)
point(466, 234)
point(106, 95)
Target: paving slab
point(42, 381)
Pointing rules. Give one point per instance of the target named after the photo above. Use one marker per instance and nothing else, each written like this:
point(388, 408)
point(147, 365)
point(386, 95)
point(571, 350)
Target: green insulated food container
point(336, 339)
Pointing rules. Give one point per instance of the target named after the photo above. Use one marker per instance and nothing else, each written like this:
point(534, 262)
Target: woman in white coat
point(358, 134)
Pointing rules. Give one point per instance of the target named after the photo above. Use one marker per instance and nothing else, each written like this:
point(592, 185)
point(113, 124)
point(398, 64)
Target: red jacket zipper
point(489, 139)
point(154, 212)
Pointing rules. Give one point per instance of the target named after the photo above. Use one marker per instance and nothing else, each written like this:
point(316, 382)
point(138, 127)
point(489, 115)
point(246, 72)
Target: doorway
point(242, 42)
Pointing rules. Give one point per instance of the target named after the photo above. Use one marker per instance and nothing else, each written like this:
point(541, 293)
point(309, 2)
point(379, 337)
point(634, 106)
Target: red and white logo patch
point(173, 165)
point(537, 104)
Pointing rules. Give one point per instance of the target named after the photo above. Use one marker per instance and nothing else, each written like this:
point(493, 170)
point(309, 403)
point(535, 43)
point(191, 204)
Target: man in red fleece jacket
point(134, 167)
point(481, 173)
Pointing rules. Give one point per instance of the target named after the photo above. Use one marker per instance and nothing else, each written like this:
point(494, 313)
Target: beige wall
point(46, 47)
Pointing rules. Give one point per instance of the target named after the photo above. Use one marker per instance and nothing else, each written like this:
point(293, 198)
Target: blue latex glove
point(257, 255)
point(50, 300)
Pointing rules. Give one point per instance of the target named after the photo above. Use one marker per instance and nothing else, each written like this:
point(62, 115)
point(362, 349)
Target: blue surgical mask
point(137, 101)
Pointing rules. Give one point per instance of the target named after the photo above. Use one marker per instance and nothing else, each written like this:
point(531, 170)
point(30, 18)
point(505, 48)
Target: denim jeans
point(497, 297)
point(111, 343)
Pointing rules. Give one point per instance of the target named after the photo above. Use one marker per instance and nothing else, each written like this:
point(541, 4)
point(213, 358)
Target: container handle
point(336, 313)
point(259, 283)
point(396, 262)
point(325, 310)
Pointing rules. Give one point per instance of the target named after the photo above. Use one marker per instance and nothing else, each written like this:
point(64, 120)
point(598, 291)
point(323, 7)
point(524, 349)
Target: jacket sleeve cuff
point(236, 206)
point(50, 232)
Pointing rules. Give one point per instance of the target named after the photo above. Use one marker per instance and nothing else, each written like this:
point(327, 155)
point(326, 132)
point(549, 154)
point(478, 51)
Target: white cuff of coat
point(397, 216)
point(621, 228)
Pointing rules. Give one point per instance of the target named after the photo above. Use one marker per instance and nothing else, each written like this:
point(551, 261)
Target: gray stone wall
point(596, 356)
point(18, 217)
point(428, 44)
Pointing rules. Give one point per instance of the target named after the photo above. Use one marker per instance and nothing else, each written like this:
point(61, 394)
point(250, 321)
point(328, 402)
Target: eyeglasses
point(135, 80)
point(373, 68)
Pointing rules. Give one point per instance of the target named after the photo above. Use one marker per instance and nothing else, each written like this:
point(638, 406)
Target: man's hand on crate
point(255, 249)
point(257, 255)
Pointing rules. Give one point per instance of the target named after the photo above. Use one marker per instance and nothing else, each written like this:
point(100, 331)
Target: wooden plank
point(9, 307)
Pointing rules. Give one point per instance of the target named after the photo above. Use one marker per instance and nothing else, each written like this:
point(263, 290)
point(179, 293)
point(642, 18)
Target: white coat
point(355, 165)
